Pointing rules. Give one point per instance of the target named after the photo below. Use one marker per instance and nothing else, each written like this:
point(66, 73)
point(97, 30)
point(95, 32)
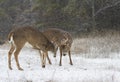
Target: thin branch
point(106, 7)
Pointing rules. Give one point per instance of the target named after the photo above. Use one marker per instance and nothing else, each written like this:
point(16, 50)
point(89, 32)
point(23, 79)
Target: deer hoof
point(50, 63)
point(71, 64)
point(64, 54)
point(20, 69)
point(10, 68)
point(60, 64)
point(43, 66)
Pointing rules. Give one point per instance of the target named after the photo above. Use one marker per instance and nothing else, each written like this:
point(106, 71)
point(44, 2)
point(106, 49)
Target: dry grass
point(99, 46)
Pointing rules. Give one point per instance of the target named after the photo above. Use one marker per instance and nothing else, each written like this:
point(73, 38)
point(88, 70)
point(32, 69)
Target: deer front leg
point(69, 53)
point(60, 64)
point(48, 58)
point(44, 59)
point(55, 51)
point(41, 55)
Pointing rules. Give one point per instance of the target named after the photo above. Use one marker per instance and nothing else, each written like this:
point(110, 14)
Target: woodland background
point(95, 28)
point(82, 18)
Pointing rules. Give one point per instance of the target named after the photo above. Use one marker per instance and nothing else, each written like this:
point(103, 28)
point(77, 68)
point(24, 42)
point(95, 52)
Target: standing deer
point(61, 39)
point(18, 37)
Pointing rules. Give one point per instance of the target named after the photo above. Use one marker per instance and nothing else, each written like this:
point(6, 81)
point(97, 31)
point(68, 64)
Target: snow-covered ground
point(83, 70)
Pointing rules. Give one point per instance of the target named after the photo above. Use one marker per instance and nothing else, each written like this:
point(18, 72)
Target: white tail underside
point(11, 39)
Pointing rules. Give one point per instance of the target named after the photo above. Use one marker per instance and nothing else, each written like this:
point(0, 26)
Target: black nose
point(43, 66)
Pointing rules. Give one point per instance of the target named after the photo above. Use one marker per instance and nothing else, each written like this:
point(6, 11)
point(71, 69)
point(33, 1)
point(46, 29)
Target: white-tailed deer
point(18, 37)
point(61, 39)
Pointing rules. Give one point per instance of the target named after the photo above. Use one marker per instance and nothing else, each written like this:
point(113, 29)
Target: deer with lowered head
point(61, 39)
point(18, 37)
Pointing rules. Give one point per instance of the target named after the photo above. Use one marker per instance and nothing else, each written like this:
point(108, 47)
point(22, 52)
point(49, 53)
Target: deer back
point(33, 36)
point(58, 37)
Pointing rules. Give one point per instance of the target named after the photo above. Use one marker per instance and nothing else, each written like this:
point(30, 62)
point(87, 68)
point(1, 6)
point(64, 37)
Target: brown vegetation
point(101, 45)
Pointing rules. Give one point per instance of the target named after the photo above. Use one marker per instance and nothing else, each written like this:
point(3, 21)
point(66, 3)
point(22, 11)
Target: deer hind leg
point(69, 53)
point(60, 63)
point(16, 58)
point(19, 46)
point(9, 56)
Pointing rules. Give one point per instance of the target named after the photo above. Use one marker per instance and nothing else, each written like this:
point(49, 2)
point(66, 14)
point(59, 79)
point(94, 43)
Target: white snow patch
point(83, 70)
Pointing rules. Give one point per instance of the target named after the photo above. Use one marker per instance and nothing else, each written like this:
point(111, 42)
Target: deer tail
point(10, 37)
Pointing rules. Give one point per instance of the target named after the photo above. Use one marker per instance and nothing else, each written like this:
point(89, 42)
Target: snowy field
point(83, 70)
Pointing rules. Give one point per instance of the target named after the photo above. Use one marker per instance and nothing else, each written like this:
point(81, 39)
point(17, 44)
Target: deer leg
point(69, 53)
point(9, 56)
point(48, 58)
point(60, 64)
point(16, 58)
point(41, 55)
point(44, 59)
point(55, 52)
